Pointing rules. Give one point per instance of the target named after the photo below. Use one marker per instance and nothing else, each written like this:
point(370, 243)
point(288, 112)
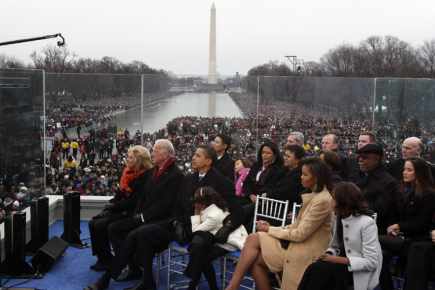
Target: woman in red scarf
point(133, 179)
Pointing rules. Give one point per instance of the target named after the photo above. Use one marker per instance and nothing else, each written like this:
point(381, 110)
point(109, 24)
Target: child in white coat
point(354, 256)
point(210, 211)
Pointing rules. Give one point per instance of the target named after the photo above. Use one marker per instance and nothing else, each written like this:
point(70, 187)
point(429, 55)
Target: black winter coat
point(214, 179)
point(128, 204)
point(416, 215)
point(382, 193)
point(269, 179)
point(158, 200)
point(225, 165)
point(290, 187)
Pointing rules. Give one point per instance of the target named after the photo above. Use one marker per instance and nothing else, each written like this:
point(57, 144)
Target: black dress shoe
point(139, 286)
point(99, 266)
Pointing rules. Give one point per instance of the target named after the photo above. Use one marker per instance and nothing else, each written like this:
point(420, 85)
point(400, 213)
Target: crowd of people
point(356, 214)
point(366, 195)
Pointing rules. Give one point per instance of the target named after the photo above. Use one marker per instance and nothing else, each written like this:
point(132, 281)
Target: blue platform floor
point(71, 271)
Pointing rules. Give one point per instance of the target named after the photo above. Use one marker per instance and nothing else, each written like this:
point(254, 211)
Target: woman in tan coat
point(308, 237)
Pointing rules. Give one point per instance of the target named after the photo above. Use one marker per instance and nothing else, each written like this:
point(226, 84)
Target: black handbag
point(228, 227)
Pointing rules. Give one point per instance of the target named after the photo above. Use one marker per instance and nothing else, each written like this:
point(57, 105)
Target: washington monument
point(212, 75)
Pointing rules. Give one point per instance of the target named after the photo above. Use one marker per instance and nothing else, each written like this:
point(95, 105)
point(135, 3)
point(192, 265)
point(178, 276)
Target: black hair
point(423, 175)
point(349, 199)
point(209, 152)
point(276, 153)
point(331, 159)
point(297, 150)
point(207, 196)
point(225, 139)
point(321, 172)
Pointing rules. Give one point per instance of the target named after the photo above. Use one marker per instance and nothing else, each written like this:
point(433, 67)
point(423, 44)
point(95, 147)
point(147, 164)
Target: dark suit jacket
point(159, 198)
point(267, 183)
point(354, 173)
point(382, 193)
point(289, 188)
point(225, 166)
point(191, 183)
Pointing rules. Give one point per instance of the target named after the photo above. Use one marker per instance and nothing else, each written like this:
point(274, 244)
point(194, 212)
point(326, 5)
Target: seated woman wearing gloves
point(309, 236)
point(131, 185)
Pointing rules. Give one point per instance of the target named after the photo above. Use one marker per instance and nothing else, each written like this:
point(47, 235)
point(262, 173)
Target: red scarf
point(128, 175)
point(160, 170)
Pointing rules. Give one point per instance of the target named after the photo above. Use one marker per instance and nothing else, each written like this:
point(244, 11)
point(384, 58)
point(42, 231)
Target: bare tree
point(53, 59)
point(340, 60)
point(10, 62)
point(427, 57)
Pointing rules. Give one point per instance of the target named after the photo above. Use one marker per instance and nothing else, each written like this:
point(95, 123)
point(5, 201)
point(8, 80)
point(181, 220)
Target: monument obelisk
point(212, 75)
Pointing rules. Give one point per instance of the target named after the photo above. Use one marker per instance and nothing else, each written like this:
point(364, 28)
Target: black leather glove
point(139, 218)
point(109, 207)
point(102, 214)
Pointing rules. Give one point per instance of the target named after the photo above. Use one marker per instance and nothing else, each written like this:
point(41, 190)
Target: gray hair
point(299, 136)
point(165, 143)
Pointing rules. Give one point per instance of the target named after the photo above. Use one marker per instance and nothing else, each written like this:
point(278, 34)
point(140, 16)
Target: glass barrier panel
point(21, 150)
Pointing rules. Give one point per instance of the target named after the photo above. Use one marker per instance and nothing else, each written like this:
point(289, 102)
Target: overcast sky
point(173, 35)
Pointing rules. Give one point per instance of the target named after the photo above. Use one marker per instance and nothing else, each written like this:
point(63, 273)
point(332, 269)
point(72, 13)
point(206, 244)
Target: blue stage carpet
point(71, 272)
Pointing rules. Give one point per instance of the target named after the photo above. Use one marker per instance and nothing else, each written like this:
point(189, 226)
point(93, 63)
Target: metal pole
point(59, 43)
point(44, 133)
point(141, 108)
point(374, 103)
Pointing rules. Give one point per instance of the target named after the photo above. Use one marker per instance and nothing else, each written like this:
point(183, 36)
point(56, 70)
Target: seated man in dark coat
point(380, 189)
point(355, 173)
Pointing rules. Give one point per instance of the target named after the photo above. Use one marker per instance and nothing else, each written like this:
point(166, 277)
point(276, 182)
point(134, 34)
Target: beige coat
point(309, 237)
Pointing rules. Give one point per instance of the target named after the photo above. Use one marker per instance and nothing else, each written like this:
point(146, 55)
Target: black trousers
point(420, 265)
point(140, 246)
point(326, 275)
point(391, 246)
point(98, 229)
point(118, 231)
point(203, 252)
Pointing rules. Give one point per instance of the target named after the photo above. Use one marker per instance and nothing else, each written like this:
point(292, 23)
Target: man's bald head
point(412, 147)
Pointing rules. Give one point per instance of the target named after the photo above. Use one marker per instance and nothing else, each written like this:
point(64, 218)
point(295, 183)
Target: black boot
point(100, 266)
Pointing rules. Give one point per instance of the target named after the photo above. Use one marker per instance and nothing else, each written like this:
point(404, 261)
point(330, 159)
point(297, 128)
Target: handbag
point(223, 233)
point(392, 243)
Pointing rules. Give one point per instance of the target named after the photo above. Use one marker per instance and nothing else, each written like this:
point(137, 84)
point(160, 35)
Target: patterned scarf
point(160, 170)
point(128, 175)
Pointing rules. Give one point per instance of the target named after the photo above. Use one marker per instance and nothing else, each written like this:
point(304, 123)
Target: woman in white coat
point(354, 256)
point(210, 212)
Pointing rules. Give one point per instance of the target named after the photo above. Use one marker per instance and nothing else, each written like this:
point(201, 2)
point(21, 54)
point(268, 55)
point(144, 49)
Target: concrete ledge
point(89, 207)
